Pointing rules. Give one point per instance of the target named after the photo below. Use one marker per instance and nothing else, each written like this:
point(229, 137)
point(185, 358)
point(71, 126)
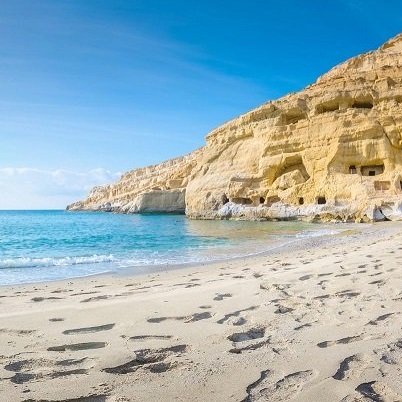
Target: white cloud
point(31, 188)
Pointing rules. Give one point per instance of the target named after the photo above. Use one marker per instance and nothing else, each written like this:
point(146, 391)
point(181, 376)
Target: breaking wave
point(26, 262)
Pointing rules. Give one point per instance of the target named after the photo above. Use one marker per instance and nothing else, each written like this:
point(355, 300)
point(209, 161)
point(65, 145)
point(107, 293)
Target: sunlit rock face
point(157, 188)
point(331, 151)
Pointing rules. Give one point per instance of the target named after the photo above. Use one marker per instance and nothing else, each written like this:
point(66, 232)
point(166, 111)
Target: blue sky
point(93, 88)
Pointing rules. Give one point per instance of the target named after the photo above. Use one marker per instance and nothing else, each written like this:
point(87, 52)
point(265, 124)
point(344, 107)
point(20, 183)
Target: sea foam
point(27, 262)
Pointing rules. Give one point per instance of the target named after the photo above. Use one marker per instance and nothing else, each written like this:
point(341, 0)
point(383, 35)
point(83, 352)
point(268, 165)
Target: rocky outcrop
point(331, 151)
point(157, 188)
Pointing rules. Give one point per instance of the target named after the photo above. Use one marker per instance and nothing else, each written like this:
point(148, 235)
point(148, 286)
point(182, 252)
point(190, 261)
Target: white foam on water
point(317, 233)
point(27, 262)
point(144, 260)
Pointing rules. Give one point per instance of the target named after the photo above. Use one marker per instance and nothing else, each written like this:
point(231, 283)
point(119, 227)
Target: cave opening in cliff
point(272, 200)
point(262, 200)
point(321, 200)
point(326, 107)
point(301, 200)
point(352, 169)
point(400, 184)
point(372, 170)
point(242, 201)
point(225, 199)
point(290, 164)
point(363, 103)
point(293, 116)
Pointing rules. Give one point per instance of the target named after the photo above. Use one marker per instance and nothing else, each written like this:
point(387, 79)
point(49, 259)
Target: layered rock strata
point(331, 151)
point(157, 188)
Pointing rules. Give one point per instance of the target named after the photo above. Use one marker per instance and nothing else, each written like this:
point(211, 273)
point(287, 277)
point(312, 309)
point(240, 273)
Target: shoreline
point(317, 320)
point(275, 246)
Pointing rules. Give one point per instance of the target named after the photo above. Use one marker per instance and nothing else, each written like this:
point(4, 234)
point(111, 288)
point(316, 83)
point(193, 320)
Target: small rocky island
point(330, 152)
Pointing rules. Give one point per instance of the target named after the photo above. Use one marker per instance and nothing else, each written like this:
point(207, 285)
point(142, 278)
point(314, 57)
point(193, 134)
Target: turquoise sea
point(38, 246)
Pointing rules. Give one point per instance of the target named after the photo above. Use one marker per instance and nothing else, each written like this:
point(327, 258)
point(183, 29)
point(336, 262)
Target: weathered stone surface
point(331, 151)
point(158, 188)
point(157, 201)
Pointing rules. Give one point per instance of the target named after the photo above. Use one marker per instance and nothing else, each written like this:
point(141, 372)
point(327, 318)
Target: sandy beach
point(318, 320)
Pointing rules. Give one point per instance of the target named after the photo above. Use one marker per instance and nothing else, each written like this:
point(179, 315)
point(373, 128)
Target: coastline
point(285, 320)
point(113, 242)
point(273, 246)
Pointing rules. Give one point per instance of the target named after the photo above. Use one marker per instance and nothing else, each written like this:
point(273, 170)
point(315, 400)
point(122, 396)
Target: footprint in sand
point(149, 337)
point(306, 277)
point(192, 318)
point(377, 282)
point(157, 320)
point(322, 297)
point(60, 291)
point(306, 325)
point(198, 317)
point(266, 388)
point(243, 341)
point(17, 331)
point(392, 353)
point(282, 287)
point(150, 359)
point(96, 298)
point(380, 318)
point(192, 285)
point(27, 364)
point(34, 369)
point(21, 378)
point(40, 299)
point(252, 346)
point(71, 362)
point(89, 398)
point(84, 293)
point(221, 296)
point(283, 309)
point(373, 391)
point(251, 334)
point(88, 330)
point(235, 317)
point(347, 293)
point(352, 367)
point(348, 339)
point(77, 346)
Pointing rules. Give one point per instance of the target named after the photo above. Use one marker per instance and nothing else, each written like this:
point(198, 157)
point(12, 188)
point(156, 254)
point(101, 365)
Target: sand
point(317, 320)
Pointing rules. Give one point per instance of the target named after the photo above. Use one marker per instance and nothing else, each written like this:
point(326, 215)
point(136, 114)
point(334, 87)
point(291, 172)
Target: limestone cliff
point(157, 188)
point(331, 151)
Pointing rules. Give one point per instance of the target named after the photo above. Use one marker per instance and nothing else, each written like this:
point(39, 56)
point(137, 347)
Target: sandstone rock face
point(331, 151)
point(158, 201)
point(158, 188)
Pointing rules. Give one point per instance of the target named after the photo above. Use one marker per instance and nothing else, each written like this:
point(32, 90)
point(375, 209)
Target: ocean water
point(38, 246)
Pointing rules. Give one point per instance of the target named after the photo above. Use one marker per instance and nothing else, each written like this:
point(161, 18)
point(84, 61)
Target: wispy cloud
point(26, 188)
